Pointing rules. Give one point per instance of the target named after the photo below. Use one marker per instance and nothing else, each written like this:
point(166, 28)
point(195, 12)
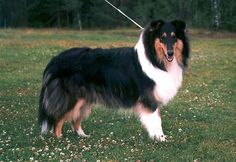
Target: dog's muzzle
point(170, 55)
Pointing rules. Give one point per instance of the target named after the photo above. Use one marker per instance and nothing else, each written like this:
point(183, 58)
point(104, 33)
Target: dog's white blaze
point(167, 82)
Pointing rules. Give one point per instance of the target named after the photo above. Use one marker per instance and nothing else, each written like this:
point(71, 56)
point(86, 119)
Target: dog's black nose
point(170, 53)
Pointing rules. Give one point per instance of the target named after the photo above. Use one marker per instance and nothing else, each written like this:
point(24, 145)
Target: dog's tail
point(54, 102)
point(59, 88)
point(46, 121)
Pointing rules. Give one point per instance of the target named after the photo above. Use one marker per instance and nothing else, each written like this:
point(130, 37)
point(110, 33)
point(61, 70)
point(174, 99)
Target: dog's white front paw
point(161, 138)
point(158, 135)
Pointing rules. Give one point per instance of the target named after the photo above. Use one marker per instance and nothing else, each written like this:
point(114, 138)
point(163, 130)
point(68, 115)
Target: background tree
point(212, 14)
point(216, 14)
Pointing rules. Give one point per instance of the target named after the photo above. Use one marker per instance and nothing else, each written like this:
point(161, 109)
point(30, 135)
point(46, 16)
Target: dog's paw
point(58, 135)
point(159, 136)
point(81, 133)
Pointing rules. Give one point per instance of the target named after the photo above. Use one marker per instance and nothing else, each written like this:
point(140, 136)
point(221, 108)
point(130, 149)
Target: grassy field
point(200, 122)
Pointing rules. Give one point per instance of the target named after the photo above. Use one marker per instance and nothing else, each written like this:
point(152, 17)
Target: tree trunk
point(67, 18)
point(216, 14)
point(79, 21)
point(58, 14)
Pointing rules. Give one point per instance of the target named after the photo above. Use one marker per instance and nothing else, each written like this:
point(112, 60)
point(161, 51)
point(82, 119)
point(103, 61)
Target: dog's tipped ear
point(179, 24)
point(155, 25)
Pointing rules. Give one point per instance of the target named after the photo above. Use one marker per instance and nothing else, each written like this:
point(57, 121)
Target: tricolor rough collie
point(142, 78)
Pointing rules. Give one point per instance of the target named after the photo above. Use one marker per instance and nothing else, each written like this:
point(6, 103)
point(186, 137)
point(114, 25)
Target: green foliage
point(98, 14)
point(199, 122)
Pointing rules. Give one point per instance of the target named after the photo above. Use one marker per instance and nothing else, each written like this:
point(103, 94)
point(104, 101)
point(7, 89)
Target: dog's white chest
point(168, 83)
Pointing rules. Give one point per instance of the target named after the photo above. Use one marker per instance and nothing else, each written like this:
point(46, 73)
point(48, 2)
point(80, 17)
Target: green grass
point(200, 121)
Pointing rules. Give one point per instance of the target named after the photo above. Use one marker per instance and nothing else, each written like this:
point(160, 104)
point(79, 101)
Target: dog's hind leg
point(78, 128)
point(58, 127)
point(85, 111)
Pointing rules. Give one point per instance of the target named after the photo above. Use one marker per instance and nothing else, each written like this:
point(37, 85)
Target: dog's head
point(166, 41)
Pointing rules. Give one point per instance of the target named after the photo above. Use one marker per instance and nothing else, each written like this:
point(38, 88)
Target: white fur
point(81, 133)
point(152, 122)
point(44, 127)
point(167, 82)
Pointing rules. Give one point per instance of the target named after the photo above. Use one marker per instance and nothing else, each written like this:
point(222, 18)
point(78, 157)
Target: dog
point(142, 78)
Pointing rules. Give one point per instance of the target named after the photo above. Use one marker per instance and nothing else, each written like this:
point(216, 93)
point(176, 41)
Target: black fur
point(181, 34)
point(111, 76)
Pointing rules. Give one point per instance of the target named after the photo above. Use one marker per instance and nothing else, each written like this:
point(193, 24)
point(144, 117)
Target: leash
point(124, 14)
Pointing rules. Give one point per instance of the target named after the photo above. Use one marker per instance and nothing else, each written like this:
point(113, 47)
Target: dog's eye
point(175, 38)
point(163, 39)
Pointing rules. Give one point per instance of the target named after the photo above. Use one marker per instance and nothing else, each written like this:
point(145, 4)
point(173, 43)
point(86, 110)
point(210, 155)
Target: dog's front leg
point(152, 122)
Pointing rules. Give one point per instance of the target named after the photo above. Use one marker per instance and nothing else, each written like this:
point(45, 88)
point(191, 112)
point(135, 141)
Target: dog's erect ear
point(179, 24)
point(155, 25)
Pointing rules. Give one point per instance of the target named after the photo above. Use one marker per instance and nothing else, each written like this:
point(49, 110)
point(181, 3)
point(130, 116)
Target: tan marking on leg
point(85, 111)
point(58, 127)
point(71, 116)
point(139, 108)
point(74, 114)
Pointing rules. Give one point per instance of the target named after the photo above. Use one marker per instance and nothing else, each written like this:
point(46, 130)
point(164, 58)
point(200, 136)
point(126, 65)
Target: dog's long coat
point(142, 78)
